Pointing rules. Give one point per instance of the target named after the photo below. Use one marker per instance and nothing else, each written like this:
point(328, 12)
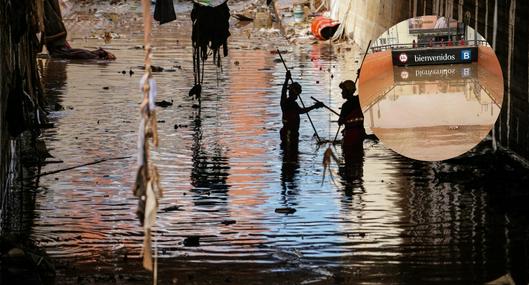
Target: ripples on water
point(224, 163)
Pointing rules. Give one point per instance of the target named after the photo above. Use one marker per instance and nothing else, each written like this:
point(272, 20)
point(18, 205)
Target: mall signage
point(434, 56)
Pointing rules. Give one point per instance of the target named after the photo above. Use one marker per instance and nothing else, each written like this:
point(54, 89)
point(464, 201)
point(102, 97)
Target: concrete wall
point(368, 19)
point(502, 22)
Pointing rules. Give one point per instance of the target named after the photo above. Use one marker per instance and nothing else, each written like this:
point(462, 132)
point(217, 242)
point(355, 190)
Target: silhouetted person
point(291, 111)
point(55, 37)
point(352, 118)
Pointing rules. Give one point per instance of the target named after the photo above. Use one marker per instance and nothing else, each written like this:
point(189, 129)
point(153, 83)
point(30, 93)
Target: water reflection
point(396, 220)
point(432, 112)
point(210, 171)
point(352, 171)
point(290, 166)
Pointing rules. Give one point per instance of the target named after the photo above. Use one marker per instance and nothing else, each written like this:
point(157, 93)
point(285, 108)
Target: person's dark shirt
point(350, 107)
point(291, 111)
point(347, 108)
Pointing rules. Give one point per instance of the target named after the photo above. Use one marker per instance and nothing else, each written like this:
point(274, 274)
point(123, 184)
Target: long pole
point(325, 106)
point(301, 100)
point(357, 76)
point(362, 63)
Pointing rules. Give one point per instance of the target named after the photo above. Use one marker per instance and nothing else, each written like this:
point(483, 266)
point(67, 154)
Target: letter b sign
point(466, 55)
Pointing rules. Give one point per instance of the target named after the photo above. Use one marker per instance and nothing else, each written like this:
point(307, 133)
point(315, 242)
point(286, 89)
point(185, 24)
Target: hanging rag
point(164, 11)
point(211, 29)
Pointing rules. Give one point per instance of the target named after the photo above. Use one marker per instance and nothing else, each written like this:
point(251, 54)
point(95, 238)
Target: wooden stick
point(362, 63)
point(336, 135)
point(78, 166)
point(327, 107)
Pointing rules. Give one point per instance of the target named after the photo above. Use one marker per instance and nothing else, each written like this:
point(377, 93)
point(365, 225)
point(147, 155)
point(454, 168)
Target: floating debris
point(242, 17)
point(164, 103)
point(286, 210)
point(192, 241)
point(172, 208)
point(228, 222)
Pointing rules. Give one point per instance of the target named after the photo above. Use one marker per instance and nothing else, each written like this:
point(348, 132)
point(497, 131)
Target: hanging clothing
point(211, 28)
point(164, 11)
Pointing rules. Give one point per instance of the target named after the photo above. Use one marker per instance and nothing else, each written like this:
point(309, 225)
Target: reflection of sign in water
point(434, 73)
point(466, 72)
point(432, 56)
point(442, 72)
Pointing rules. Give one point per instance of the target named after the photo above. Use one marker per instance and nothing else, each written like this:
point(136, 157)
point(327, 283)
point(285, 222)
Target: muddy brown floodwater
point(390, 220)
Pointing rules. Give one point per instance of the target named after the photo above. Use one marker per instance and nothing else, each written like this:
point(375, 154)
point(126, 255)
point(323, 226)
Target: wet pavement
point(389, 220)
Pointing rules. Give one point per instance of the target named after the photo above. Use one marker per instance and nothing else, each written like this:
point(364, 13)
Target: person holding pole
point(352, 118)
point(291, 110)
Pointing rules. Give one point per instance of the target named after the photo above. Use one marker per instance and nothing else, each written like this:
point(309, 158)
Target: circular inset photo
point(431, 88)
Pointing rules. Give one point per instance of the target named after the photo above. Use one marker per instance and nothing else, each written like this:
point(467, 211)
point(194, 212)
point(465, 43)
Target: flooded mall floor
point(390, 220)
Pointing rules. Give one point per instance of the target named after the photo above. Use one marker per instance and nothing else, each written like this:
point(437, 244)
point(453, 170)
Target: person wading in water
point(291, 111)
point(352, 118)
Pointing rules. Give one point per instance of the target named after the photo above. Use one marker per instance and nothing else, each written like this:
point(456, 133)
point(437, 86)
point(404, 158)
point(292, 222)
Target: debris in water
point(131, 72)
point(196, 90)
point(278, 51)
point(242, 17)
point(192, 241)
point(327, 163)
point(228, 222)
point(286, 210)
point(106, 88)
point(155, 68)
point(173, 208)
point(164, 103)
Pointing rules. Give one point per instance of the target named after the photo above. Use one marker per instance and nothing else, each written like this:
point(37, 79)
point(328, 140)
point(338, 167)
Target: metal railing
point(469, 43)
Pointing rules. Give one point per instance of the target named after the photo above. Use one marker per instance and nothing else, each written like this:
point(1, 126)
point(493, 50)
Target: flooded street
point(391, 221)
